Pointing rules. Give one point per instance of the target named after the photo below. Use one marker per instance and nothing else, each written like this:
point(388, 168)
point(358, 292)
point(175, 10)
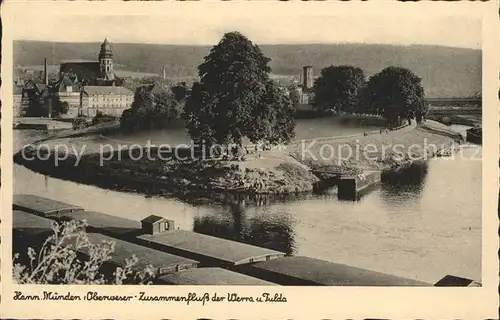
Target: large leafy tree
point(180, 91)
point(272, 120)
point(235, 97)
point(338, 87)
point(395, 93)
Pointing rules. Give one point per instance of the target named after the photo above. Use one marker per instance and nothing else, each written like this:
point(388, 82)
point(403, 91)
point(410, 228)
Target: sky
point(264, 28)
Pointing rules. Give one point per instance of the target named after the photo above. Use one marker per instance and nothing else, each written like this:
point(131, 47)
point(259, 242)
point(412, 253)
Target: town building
point(84, 86)
point(109, 100)
point(304, 91)
point(29, 94)
point(307, 78)
point(306, 88)
point(67, 92)
point(18, 109)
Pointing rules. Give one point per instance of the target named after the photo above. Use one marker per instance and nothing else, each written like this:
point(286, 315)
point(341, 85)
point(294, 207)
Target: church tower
point(106, 61)
point(307, 77)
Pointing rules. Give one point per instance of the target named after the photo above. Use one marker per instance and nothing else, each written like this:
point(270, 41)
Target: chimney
point(49, 104)
point(46, 74)
point(164, 71)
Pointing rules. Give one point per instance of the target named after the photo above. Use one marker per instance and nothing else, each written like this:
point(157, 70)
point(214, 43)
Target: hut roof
point(42, 206)
point(211, 276)
point(331, 274)
point(208, 247)
point(152, 219)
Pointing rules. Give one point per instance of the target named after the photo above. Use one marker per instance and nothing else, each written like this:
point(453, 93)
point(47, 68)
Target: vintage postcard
point(249, 160)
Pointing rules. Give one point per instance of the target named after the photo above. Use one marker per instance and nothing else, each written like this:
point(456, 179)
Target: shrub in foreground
point(57, 262)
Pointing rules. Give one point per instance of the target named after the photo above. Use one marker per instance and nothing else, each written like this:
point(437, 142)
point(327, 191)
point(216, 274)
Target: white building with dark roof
point(67, 91)
point(109, 100)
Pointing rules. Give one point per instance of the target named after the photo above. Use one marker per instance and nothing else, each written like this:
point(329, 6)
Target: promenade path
point(373, 151)
point(288, 153)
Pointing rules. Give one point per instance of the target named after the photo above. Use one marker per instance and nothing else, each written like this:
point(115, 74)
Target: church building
point(95, 73)
point(86, 87)
point(94, 85)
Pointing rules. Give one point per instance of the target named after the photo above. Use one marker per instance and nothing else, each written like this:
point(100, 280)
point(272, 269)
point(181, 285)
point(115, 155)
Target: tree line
point(235, 98)
point(150, 109)
point(395, 93)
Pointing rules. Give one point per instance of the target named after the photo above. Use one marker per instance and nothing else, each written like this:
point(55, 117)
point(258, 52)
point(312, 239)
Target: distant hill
point(446, 71)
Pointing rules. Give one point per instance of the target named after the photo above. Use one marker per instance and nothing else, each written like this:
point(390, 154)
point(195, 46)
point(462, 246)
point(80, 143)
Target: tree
point(180, 91)
point(59, 107)
point(235, 98)
point(338, 87)
point(396, 93)
point(102, 118)
point(35, 108)
point(198, 114)
point(273, 121)
point(167, 107)
point(294, 95)
point(150, 110)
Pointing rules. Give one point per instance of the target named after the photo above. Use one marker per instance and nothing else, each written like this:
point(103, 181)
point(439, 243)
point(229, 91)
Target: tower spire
point(106, 60)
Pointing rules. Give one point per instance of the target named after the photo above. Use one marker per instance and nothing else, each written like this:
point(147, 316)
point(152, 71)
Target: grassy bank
point(378, 151)
point(182, 179)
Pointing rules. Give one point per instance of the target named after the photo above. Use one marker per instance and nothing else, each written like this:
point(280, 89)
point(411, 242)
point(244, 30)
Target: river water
point(423, 229)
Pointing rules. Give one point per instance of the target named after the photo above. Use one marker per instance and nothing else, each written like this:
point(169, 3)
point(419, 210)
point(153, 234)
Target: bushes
point(81, 123)
point(150, 110)
point(102, 118)
point(57, 263)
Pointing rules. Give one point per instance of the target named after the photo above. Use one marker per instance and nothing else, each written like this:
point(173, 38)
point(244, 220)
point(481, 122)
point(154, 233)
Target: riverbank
point(381, 151)
point(428, 220)
point(182, 179)
point(289, 170)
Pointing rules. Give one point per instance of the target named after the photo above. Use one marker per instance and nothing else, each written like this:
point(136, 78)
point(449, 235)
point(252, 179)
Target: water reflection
point(269, 230)
point(409, 180)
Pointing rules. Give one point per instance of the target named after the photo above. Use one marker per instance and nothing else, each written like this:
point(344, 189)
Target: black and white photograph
point(267, 149)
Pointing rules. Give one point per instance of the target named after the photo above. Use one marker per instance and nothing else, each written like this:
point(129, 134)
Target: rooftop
point(152, 219)
point(63, 83)
point(40, 87)
point(208, 247)
point(101, 90)
point(31, 224)
point(211, 276)
point(78, 61)
point(331, 274)
point(162, 261)
point(40, 205)
point(107, 223)
point(17, 90)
